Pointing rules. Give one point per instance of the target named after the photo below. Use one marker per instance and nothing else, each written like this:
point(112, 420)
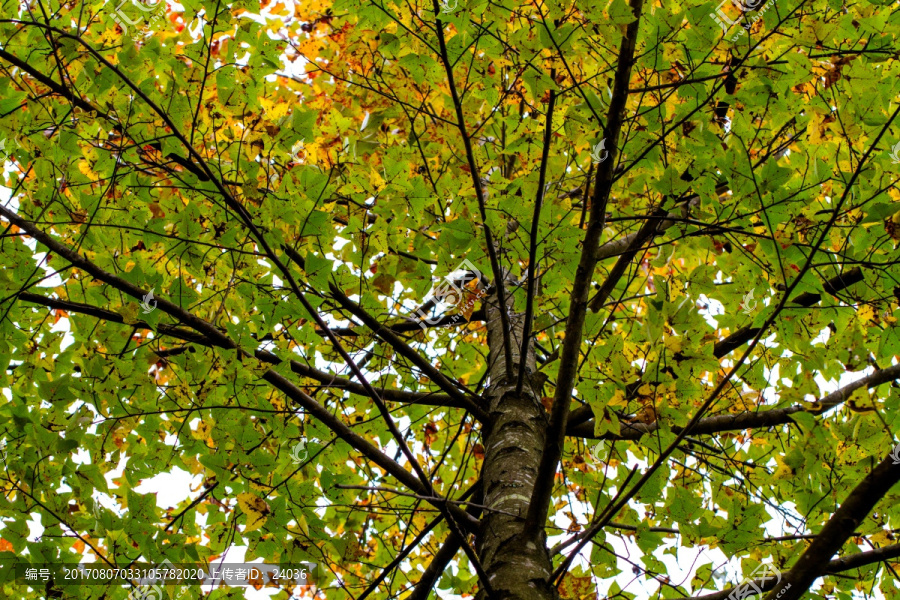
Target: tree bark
point(517, 568)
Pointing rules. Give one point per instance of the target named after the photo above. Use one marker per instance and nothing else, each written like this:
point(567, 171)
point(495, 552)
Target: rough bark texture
point(517, 568)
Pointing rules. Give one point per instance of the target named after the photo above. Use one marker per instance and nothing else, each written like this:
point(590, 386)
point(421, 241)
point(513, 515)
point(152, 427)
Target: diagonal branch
point(540, 498)
point(723, 347)
point(479, 191)
point(475, 489)
point(647, 232)
point(220, 339)
point(426, 399)
point(533, 243)
point(807, 299)
point(329, 380)
point(812, 563)
point(726, 379)
point(108, 315)
point(211, 331)
point(838, 565)
point(245, 217)
point(435, 568)
point(451, 388)
point(439, 563)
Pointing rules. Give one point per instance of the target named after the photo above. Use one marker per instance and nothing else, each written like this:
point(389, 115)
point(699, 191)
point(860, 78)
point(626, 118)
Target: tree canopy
point(517, 301)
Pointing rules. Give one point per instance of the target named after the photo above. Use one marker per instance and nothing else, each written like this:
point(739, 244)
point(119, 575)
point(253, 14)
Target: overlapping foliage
point(235, 154)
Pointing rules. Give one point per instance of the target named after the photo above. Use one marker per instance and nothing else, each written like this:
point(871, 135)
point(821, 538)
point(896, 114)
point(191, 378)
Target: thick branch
point(838, 565)
point(555, 439)
point(838, 530)
point(436, 568)
point(723, 347)
point(220, 339)
point(747, 420)
point(329, 380)
point(414, 357)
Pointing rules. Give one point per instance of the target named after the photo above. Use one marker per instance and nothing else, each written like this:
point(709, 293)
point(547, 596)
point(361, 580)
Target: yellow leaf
point(203, 430)
point(783, 471)
point(673, 344)
point(866, 313)
point(85, 169)
point(303, 525)
point(255, 508)
point(882, 538)
point(618, 398)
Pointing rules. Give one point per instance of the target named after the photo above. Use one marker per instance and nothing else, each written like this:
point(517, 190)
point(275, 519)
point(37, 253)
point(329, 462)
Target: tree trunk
point(516, 568)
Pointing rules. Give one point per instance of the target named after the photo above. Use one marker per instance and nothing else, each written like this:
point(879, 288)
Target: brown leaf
point(478, 451)
point(158, 213)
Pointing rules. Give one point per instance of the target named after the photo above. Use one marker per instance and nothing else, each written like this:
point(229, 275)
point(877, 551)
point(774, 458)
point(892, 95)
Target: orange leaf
point(577, 588)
